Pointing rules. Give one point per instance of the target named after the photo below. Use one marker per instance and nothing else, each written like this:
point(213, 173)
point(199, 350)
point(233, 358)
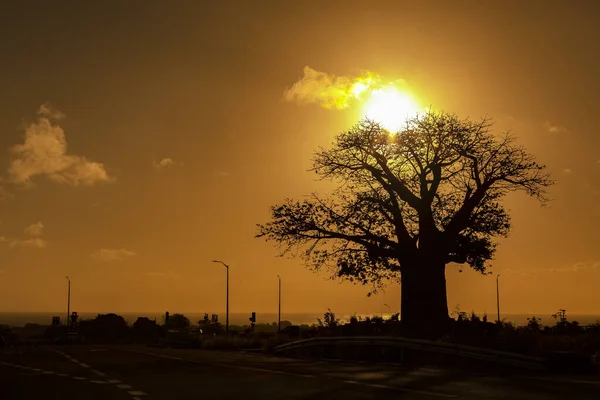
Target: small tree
point(534, 324)
point(408, 204)
point(178, 321)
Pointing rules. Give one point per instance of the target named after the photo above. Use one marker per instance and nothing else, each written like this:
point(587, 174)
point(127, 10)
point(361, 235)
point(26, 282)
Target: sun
point(390, 107)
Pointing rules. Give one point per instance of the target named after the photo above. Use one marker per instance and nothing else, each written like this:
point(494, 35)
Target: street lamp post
point(68, 305)
point(498, 297)
point(226, 296)
point(279, 307)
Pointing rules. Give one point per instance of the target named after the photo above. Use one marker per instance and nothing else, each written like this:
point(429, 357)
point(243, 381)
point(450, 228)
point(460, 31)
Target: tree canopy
point(430, 193)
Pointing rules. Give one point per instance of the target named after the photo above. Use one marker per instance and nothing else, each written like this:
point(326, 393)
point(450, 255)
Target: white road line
point(125, 386)
point(270, 371)
point(114, 381)
point(100, 382)
point(62, 374)
point(74, 360)
point(98, 372)
point(48, 372)
point(84, 365)
point(36, 369)
point(136, 393)
point(79, 378)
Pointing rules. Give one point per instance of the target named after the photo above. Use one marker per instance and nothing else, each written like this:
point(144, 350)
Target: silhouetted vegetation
point(409, 203)
point(177, 321)
point(147, 330)
point(105, 328)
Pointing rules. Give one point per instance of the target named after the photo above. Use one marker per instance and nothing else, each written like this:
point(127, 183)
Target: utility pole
point(498, 297)
point(279, 307)
point(69, 306)
point(226, 296)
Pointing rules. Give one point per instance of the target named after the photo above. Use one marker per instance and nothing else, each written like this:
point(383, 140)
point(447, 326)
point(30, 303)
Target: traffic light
point(74, 317)
point(206, 318)
point(253, 317)
point(215, 318)
point(55, 321)
point(166, 317)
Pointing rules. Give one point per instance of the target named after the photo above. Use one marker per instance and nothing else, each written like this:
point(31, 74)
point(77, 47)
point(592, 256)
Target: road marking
point(114, 381)
point(84, 365)
point(79, 378)
point(48, 372)
point(36, 369)
point(136, 398)
point(271, 371)
point(136, 393)
point(101, 382)
point(98, 372)
point(62, 374)
point(125, 386)
point(400, 389)
point(74, 360)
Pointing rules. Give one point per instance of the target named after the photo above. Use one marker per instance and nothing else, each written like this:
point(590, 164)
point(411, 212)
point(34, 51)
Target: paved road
point(140, 372)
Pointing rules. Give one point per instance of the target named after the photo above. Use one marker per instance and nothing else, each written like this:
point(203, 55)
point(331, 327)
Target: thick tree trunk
point(424, 305)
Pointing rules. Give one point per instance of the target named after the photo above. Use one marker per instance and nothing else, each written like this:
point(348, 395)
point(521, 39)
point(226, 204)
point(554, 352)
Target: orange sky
point(202, 86)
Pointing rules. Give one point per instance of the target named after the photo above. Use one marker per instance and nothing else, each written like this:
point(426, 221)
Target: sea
point(19, 319)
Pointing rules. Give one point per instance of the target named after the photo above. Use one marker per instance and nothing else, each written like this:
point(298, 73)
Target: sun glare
point(390, 107)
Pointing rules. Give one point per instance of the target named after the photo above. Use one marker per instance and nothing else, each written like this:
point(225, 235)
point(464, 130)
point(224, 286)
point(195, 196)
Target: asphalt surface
point(141, 372)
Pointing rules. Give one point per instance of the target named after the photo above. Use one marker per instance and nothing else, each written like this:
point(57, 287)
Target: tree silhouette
point(105, 328)
point(178, 321)
point(407, 204)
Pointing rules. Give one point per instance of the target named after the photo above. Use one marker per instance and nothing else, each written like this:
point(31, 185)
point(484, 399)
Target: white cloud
point(567, 171)
point(35, 229)
point(112, 254)
point(44, 152)
point(35, 243)
point(554, 129)
point(47, 111)
point(165, 162)
point(580, 266)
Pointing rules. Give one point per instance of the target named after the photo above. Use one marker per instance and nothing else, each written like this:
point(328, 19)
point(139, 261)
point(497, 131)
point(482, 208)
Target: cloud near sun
point(388, 103)
point(44, 152)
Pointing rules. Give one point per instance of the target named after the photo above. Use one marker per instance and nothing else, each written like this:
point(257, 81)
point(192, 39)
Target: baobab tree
point(407, 204)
